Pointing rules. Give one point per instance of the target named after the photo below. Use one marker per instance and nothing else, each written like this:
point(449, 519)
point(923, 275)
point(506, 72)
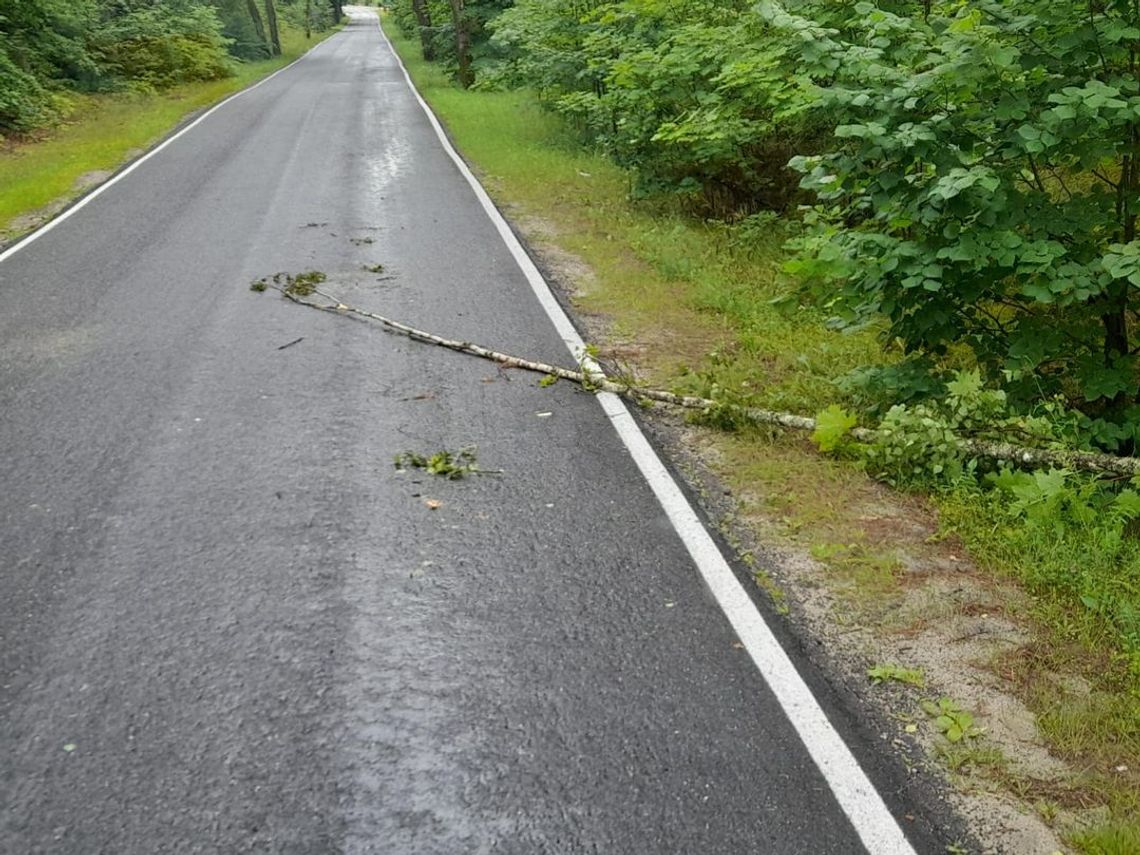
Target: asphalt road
point(228, 624)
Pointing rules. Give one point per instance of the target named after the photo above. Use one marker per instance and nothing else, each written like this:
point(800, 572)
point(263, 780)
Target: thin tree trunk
point(258, 26)
point(1115, 322)
point(465, 75)
point(274, 33)
point(308, 19)
point(423, 18)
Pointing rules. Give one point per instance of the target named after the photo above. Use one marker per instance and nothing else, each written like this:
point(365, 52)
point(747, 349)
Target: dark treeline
point(642, 79)
point(965, 174)
point(49, 48)
point(455, 33)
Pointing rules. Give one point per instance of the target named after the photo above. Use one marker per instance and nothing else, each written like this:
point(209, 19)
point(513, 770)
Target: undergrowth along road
point(695, 306)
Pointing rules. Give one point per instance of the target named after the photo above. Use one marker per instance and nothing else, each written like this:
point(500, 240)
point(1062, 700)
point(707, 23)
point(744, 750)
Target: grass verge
point(694, 306)
point(38, 177)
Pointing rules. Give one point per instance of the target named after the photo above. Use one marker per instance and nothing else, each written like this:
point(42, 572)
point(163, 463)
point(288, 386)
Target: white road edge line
point(857, 796)
point(135, 164)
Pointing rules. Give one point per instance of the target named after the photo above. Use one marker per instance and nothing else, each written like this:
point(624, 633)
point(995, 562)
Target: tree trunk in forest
point(465, 75)
point(423, 18)
point(258, 26)
point(1115, 319)
point(1116, 345)
point(308, 19)
point(338, 11)
point(1115, 331)
point(274, 33)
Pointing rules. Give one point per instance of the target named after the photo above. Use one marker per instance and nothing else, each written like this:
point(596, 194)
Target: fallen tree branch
point(592, 378)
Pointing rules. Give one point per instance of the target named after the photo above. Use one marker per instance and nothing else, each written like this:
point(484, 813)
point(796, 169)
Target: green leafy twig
point(452, 465)
point(292, 285)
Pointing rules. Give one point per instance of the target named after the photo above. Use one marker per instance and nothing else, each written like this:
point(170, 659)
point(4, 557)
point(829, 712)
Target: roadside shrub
point(46, 39)
point(158, 47)
point(876, 388)
point(24, 103)
point(693, 97)
point(42, 50)
point(982, 185)
point(923, 444)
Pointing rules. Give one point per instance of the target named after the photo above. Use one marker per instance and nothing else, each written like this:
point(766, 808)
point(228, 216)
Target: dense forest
point(52, 48)
point(963, 175)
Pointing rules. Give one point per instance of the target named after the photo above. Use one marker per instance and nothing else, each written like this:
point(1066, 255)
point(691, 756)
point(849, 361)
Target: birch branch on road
point(592, 380)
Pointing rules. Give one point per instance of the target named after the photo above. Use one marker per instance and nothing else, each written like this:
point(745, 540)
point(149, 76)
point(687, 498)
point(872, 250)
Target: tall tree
point(274, 33)
point(423, 19)
point(462, 24)
point(255, 16)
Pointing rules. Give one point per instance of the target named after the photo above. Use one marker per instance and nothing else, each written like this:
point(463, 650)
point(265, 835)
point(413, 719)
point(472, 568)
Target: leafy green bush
point(542, 45)
point(42, 48)
point(924, 443)
point(24, 103)
point(160, 46)
point(982, 186)
point(692, 96)
point(875, 388)
point(48, 47)
point(46, 39)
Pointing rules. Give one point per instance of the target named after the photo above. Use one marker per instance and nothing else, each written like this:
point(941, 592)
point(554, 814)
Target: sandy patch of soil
point(573, 276)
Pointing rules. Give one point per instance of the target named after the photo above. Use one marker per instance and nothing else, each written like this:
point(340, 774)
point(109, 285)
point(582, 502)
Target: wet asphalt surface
point(228, 624)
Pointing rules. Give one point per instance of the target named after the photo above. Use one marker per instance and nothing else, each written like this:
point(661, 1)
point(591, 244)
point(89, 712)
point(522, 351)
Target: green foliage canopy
point(40, 41)
point(158, 46)
point(690, 95)
point(982, 184)
point(51, 47)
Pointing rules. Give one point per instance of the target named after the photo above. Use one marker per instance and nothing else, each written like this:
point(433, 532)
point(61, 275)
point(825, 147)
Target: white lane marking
point(119, 176)
point(855, 793)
